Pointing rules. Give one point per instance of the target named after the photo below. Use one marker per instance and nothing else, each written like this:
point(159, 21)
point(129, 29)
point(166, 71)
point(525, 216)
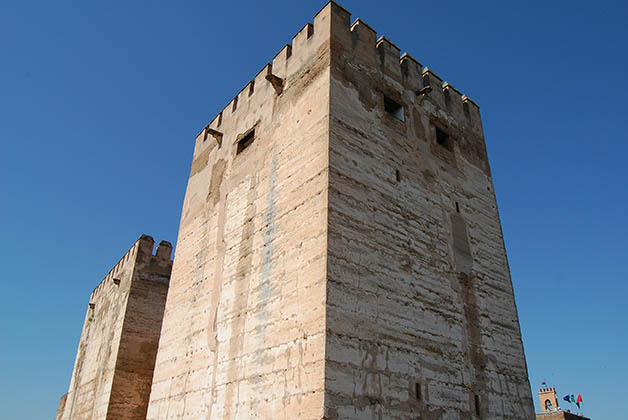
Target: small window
point(457, 207)
point(245, 141)
point(393, 108)
point(548, 405)
point(398, 175)
point(477, 405)
point(417, 391)
point(443, 139)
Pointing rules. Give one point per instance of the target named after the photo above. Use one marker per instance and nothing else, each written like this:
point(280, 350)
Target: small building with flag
point(550, 407)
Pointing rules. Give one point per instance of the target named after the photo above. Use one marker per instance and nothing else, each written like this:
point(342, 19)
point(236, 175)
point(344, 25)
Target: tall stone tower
point(114, 363)
point(340, 254)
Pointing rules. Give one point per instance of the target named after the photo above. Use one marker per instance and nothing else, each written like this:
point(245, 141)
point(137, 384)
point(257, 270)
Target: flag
point(572, 398)
point(566, 398)
point(579, 400)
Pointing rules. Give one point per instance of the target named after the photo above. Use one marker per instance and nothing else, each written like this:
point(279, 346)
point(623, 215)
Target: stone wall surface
point(421, 317)
point(114, 363)
point(244, 328)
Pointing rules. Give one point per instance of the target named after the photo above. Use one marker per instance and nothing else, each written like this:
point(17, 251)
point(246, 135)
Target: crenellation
point(280, 61)
point(164, 250)
point(436, 94)
point(453, 101)
point(411, 72)
point(363, 40)
point(388, 54)
point(304, 34)
point(471, 111)
point(145, 243)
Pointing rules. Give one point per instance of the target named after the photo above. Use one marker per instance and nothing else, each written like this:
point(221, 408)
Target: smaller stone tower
point(114, 363)
point(550, 409)
point(548, 400)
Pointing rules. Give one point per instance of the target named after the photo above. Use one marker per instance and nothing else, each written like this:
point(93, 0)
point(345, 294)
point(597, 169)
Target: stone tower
point(548, 400)
point(114, 364)
point(340, 254)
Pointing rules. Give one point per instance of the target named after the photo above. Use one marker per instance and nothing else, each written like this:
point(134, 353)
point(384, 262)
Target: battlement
point(274, 76)
point(363, 42)
point(144, 244)
point(550, 389)
point(333, 22)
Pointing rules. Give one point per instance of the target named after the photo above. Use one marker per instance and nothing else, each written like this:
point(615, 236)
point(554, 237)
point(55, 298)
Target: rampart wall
point(243, 333)
point(421, 317)
point(113, 368)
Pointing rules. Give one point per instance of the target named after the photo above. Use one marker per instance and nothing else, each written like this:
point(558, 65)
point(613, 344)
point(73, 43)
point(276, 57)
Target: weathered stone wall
point(113, 368)
point(421, 318)
point(243, 334)
point(140, 333)
point(335, 261)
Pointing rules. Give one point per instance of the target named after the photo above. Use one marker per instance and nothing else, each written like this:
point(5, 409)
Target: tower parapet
point(362, 39)
point(144, 244)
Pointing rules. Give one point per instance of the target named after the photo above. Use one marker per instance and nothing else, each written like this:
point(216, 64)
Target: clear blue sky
point(100, 103)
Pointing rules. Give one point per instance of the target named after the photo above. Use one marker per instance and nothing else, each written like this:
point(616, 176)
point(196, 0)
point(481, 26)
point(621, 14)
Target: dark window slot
point(393, 108)
point(398, 175)
point(417, 391)
point(245, 141)
point(477, 405)
point(443, 139)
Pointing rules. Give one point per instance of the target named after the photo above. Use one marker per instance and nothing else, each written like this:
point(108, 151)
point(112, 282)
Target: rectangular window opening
point(443, 138)
point(477, 405)
point(398, 175)
point(393, 108)
point(457, 207)
point(245, 141)
point(417, 391)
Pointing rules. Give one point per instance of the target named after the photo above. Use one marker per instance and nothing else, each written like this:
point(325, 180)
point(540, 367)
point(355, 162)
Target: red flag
point(579, 400)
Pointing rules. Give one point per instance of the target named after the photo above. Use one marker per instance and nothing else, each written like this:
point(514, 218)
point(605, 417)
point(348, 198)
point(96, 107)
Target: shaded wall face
point(114, 364)
point(140, 338)
point(92, 377)
point(421, 318)
point(243, 332)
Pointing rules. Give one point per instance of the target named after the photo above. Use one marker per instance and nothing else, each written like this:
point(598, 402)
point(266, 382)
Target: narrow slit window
point(477, 405)
point(417, 391)
point(457, 207)
point(245, 141)
point(397, 175)
point(393, 108)
point(443, 138)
